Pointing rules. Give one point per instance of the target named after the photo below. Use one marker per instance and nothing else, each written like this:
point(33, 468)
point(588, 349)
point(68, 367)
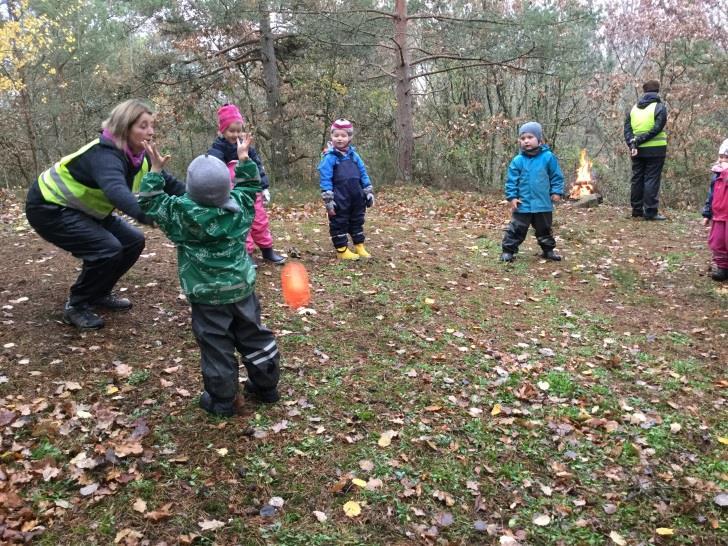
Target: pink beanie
point(227, 114)
point(343, 125)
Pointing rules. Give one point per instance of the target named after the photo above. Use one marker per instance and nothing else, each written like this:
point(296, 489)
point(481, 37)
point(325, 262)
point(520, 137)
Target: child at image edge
point(230, 124)
point(534, 183)
point(208, 225)
point(346, 191)
point(715, 213)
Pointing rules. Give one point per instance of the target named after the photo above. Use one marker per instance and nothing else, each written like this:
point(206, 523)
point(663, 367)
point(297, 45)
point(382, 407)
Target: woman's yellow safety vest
point(59, 187)
point(643, 121)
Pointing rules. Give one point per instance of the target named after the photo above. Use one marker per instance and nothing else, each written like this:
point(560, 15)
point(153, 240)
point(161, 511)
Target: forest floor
point(429, 395)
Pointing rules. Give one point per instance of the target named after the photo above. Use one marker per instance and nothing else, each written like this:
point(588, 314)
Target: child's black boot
point(551, 255)
point(272, 256)
point(719, 274)
point(269, 396)
point(217, 406)
point(507, 257)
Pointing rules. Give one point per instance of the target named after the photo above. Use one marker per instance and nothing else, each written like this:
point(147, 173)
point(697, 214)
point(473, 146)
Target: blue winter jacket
point(333, 157)
point(533, 180)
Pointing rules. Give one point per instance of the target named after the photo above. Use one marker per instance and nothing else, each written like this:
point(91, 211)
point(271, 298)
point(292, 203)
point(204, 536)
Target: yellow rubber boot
point(361, 251)
point(345, 254)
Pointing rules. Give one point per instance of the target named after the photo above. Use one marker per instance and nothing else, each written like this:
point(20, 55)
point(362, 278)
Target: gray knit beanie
point(533, 127)
point(208, 183)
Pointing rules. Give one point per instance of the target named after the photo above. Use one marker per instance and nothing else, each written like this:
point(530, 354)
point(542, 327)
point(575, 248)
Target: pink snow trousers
point(259, 233)
point(718, 243)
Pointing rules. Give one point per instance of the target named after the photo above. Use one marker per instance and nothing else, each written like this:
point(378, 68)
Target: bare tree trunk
point(403, 94)
point(28, 120)
point(279, 155)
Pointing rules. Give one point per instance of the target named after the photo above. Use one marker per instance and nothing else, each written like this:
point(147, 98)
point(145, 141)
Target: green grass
point(624, 342)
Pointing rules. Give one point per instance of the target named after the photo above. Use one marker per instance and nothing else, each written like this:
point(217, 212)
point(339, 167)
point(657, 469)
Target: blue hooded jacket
point(332, 157)
point(534, 179)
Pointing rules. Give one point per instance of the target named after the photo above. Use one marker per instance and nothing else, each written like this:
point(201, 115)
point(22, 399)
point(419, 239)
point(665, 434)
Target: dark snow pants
point(350, 203)
point(219, 330)
point(108, 247)
point(518, 229)
point(646, 176)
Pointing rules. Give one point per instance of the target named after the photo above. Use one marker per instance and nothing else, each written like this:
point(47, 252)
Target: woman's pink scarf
point(134, 159)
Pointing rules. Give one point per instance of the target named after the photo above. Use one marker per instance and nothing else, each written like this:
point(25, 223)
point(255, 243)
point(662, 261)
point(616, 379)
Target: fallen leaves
point(211, 524)
point(385, 438)
point(140, 505)
point(352, 509)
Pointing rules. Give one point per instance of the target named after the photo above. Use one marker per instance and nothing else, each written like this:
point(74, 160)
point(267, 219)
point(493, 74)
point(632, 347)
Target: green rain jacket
point(213, 265)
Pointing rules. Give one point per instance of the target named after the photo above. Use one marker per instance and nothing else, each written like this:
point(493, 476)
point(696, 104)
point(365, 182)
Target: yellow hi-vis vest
point(59, 187)
point(642, 121)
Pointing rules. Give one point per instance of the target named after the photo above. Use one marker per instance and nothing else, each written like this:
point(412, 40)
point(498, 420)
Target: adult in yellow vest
point(71, 204)
point(644, 133)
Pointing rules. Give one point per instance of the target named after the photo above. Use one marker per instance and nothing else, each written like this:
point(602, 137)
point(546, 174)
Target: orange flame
point(583, 185)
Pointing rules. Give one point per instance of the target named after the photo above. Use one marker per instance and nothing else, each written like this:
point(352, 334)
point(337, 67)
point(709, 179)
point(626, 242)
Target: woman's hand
point(244, 143)
point(158, 160)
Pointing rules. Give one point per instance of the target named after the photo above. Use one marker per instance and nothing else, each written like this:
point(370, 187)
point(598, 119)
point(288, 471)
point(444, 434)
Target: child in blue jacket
point(346, 191)
point(534, 183)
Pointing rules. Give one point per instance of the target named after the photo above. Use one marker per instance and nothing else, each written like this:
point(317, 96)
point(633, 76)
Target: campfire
point(584, 184)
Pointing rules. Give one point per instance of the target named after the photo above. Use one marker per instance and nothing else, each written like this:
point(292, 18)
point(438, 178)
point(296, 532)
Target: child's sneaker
point(270, 396)
point(361, 251)
point(345, 254)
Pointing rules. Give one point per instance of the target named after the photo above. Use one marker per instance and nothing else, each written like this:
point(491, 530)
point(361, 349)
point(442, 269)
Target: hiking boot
point(269, 396)
point(221, 408)
point(361, 251)
point(112, 302)
point(82, 317)
point(551, 255)
point(344, 253)
point(507, 257)
point(656, 217)
point(272, 256)
point(719, 274)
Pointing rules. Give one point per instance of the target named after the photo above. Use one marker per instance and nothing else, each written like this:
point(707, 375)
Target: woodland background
point(436, 89)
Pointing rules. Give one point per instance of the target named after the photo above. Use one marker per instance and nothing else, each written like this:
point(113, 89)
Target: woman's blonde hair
point(122, 117)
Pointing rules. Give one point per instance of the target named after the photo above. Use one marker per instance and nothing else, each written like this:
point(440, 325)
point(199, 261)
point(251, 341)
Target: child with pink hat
point(230, 124)
point(715, 214)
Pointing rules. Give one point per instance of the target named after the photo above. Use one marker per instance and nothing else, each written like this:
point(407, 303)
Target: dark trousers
point(219, 330)
point(350, 210)
point(108, 247)
point(646, 175)
point(518, 229)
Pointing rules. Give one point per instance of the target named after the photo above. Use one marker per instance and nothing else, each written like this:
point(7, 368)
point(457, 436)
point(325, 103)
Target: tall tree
point(279, 139)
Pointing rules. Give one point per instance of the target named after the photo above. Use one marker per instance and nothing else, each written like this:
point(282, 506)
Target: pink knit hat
point(343, 125)
point(227, 114)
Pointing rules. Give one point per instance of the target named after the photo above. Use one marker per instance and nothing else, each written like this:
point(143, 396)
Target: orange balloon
point(294, 285)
